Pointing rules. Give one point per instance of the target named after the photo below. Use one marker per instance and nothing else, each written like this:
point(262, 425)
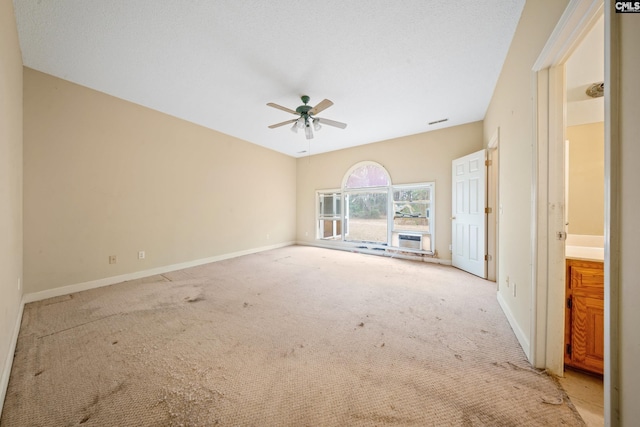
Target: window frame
point(343, 193)
point(348, 190)
point(431, 185)
point(320, 216)
point(364, 190)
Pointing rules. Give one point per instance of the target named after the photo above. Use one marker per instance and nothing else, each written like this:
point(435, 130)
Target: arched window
point(368, 211)
point(366, 202)
point(365, 175)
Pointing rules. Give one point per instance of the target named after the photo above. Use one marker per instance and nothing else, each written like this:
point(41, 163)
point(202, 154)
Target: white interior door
point(469, 183)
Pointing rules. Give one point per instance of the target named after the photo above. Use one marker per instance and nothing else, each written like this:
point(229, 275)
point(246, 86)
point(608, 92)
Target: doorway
point(555, 98)
point(584, 222)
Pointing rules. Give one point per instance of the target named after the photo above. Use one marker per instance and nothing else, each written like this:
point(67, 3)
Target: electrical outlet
point(141, 255)
point(267, 237)
point(306, 233)
point(112, 259)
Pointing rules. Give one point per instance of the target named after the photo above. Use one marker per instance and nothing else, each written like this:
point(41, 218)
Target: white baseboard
point(393, 254)
point(6, 369)
point(69, 289)
point(520, 335)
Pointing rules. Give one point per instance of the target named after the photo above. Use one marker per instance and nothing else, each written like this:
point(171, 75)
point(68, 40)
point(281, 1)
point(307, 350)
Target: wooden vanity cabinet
point(584, 316)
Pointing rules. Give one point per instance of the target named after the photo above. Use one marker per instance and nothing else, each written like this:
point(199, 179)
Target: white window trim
point(344, 191)
point(317, 214)
point(432, 221)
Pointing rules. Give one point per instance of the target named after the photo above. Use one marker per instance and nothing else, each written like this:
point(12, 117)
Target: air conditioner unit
point(410, 241)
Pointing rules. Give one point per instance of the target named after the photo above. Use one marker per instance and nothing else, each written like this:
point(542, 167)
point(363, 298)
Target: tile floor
point(587, 394)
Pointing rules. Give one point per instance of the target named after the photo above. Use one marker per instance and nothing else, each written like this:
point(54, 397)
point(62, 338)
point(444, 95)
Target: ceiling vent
point(596, 90)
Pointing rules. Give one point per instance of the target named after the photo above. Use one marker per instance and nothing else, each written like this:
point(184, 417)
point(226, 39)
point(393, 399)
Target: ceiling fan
point(307, 118)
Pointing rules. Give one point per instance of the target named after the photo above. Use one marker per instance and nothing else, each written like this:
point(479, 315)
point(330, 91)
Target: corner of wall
point(11, 214)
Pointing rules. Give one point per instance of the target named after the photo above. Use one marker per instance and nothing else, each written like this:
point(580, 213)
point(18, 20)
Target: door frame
point(493, 203)
point(548, 190)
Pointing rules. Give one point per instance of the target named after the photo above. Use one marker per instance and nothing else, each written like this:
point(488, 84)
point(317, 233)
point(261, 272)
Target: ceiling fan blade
point(323, 105)
point(332, 123)
point(277, 125)
point(280, 107)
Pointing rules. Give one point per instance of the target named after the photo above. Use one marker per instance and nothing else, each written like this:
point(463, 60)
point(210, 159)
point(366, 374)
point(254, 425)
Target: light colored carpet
point(297, 336)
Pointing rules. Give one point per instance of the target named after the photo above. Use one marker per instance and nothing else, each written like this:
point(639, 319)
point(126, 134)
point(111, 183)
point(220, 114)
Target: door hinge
point(569, 302)
point(487, 258)
point(569, 349)
point(561, 235)
point(488, 162)
point(488, 210)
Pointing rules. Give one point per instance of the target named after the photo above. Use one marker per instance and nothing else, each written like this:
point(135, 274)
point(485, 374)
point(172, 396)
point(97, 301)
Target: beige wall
point(103, 177)
point(511, 110)
point(418, 158)
point(628, 174)
point(10, 185)
point(586, 179)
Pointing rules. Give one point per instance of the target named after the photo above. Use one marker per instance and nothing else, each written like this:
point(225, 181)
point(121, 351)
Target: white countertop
point(584, 253)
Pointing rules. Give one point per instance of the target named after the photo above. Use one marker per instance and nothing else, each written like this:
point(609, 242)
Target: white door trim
point(576, 21)
point(493, 202)
point(546, 348)
point(611, 217)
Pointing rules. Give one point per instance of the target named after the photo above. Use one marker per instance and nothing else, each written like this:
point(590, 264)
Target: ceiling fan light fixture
point(596, 90)
point(306, 117)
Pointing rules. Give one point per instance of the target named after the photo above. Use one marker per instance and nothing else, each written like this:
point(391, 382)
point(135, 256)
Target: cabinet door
point(585, 311)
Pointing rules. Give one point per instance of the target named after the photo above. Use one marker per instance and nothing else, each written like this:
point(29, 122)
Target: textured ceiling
point(390, 67)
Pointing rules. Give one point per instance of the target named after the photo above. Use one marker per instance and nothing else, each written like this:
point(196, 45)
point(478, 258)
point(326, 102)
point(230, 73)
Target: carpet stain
point(80, 325)
point(558, 401)
point(386, 419)
point(117, 388)
point(513, 366)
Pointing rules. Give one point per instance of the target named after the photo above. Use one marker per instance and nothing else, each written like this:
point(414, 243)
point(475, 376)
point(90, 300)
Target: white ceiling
point(390, 67)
